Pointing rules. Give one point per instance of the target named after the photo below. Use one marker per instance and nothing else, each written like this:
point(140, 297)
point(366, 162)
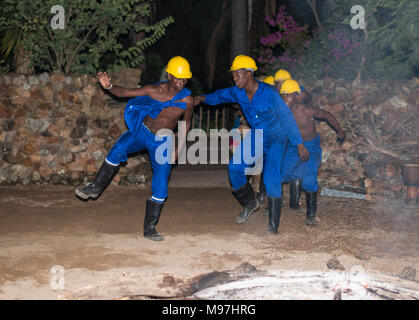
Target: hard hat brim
point(234, 69)
point(180, 76)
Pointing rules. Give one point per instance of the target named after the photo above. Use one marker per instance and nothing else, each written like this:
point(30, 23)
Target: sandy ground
point(47, 227)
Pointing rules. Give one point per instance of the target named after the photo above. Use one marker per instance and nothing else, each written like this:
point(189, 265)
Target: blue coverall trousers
point(271, 158)
point(294, 168)
point(145, 139)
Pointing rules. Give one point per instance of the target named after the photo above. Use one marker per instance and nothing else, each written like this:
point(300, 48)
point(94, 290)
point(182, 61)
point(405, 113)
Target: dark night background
point(190, 34)
point(209, 34)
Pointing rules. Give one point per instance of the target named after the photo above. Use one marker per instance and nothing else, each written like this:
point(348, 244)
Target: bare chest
point(303, 117)
point(167, 118)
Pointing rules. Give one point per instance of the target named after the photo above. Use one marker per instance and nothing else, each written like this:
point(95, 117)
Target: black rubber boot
point(103, 177)
point(246, 197)
point(152, 215)
point(261, 196)
point(266, 210)
point(311, 200)
point(295, 193)
point(275, 205)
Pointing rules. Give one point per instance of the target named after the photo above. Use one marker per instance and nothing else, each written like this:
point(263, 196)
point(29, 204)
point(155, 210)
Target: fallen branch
point(384, 151)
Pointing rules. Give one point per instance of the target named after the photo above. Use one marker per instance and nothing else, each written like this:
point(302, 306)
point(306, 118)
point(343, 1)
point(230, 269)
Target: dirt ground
point(97, 241)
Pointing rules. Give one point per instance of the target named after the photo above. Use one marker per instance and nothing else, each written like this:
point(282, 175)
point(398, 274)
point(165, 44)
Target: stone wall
point(58, 129)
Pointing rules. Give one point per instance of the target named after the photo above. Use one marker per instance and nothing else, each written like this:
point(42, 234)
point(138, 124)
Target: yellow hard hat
point(290, 86)
point(282, 75)
point(269, 80)
point(243, 62)
point(179, 67)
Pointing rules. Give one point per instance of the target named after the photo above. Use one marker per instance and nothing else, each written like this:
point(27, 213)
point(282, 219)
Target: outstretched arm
point(220, 96)
point(187, 116)
point(331, 120)
point(121, 92)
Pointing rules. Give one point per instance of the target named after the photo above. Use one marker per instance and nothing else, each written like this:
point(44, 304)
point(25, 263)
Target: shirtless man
point(157, 106)
point(303, 175)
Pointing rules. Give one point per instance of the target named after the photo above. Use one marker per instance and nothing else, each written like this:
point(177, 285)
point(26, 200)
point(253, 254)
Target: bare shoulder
point(189, 102)
point(311, 110)
point(188, 99)
point(159, 87)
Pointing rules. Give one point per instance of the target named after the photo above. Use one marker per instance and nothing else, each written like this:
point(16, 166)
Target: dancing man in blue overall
point(303, 175)
point(264, 109)
point(155, 107)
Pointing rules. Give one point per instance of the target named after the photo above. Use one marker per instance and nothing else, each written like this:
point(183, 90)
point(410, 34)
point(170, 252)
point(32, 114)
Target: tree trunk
point(22, 62)
point(212, 45)
point(312, 4)
point(259, 28)
point(239, 37)
point(270, 7)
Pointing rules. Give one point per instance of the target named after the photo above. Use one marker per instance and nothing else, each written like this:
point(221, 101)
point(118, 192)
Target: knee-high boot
point(311, 200)
point(275, 205)
point(152, 216)
point(247, 198)
point(102, 179)
point(295, 192)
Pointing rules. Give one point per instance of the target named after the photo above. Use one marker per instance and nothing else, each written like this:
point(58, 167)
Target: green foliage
point(11, 41)
point(94, 35)
point(390, 39)
point(4, 67)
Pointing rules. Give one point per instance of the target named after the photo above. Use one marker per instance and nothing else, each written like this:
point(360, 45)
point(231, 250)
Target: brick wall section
point(58, 129)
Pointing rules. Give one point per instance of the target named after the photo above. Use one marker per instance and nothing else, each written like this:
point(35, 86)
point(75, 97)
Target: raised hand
point(104, 79)
point(341, 137)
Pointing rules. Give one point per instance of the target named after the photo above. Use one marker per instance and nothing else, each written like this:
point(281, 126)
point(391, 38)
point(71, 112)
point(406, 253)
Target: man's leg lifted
point(103, 177)
point(125, 145)
point(247, 198)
